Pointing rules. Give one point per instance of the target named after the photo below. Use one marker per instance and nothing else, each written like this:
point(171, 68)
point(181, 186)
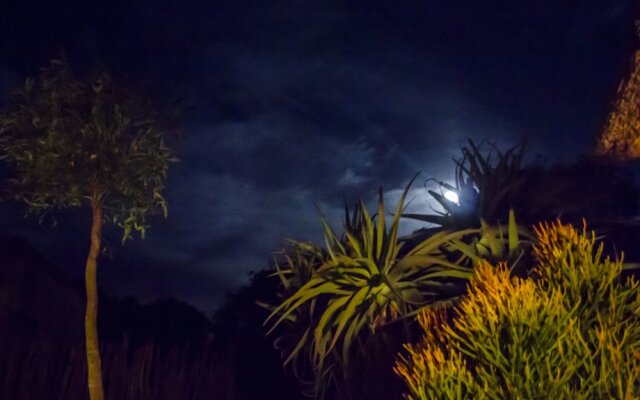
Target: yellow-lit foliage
point(620, 138)
point(433, 367)
point(570, 332)
point(571, 261)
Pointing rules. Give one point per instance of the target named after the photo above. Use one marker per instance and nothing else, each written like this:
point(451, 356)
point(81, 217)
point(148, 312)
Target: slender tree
point(84, 142)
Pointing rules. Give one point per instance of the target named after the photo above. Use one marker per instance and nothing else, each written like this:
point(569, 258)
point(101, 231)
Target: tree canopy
point(69, 139)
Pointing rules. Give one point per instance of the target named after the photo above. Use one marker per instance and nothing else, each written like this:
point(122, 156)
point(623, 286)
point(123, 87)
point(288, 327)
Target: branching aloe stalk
point(73, 143)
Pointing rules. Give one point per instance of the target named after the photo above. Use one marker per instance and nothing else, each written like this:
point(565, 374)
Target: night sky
point(296, 102)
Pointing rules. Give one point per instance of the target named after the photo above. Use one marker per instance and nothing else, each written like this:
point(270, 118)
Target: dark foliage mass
point(44, 370)
point(491, 182)
point(166, 322)
point(239, 325)
point(163, 350)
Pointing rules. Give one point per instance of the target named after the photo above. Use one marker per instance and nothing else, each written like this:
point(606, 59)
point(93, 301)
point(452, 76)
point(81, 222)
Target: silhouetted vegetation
point(162, 350)
point(238, 324)
point(44, 370)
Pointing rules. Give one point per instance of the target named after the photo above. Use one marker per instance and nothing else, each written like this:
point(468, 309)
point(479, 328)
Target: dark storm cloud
point(220, 228)
point(323, 121)
point(311, 102)
point(8, 82)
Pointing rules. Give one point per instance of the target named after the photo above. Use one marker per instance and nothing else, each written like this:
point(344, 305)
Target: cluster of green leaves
point(70, 140)
point(496, 244)
point(337, 296)
point(570, 331)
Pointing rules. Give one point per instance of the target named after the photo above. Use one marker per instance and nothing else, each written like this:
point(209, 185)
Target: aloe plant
point(511, 244)
point(336, 297)
point(362, 283)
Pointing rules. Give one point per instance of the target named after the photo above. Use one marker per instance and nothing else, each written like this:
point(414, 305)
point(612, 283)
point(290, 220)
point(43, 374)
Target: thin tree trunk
point(94, 369)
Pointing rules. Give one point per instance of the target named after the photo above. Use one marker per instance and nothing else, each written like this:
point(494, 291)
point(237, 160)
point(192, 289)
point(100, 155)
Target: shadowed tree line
point(162, 350)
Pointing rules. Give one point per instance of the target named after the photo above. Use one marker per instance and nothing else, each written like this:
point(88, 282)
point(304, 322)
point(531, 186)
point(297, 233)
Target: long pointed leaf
point(323, 328)
point(346, 315)
point(513, 233)
point(299, 346)
point(381, 228)
point(299, 298)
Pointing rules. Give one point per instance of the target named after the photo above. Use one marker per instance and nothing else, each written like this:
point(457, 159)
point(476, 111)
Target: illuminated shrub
point(569, 332)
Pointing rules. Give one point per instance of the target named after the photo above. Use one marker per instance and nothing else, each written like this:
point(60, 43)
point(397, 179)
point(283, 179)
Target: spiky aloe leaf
point(441, 220)
point(380, 228)
point(514, 240)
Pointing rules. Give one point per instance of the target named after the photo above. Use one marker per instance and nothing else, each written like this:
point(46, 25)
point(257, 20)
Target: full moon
point(451, 196)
